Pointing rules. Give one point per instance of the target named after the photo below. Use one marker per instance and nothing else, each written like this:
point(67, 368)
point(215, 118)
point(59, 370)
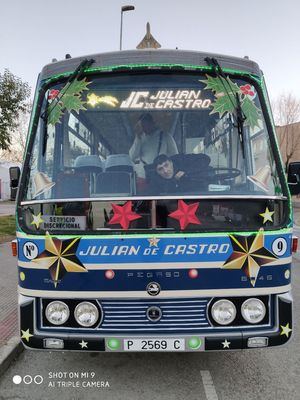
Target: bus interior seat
point(114, 182)
point(119, 162)
point(88, 164)
point(192, 162)
point(72, 185)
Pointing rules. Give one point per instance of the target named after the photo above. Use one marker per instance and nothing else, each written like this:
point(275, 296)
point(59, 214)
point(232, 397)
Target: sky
point(33, 32)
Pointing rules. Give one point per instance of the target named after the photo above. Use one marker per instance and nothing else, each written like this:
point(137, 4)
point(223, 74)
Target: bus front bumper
point(281, 333)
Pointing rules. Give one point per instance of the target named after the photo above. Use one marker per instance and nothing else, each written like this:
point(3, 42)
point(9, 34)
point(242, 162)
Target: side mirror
point(294, 178)
point(14, 175)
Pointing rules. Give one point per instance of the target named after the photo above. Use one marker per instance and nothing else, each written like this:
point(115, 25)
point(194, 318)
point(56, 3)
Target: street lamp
point(124, 8)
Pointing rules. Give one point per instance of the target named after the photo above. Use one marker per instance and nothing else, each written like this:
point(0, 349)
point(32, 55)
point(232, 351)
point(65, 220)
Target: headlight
point(86, 314)
point(57, 312)
point(223, 312)
point(253, 310)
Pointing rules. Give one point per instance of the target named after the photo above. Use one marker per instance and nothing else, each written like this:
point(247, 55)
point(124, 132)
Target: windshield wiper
point(45, 115)
point(239, 114)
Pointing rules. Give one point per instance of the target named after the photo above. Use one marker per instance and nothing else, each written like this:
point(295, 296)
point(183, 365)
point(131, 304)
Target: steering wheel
point(225, 174)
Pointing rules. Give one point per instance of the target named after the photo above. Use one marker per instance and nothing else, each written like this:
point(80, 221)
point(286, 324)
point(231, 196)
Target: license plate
point(154, 344)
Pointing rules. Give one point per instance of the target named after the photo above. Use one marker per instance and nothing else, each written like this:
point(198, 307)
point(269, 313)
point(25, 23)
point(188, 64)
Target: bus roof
point(150, 56)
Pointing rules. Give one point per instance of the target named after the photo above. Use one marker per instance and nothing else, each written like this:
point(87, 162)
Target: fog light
point(57, 312)
point(194, 343)
point(113, 344)
point(253, 311)
point(223, 312)
point(258, 342)
point(86, 314)
point(53, 343)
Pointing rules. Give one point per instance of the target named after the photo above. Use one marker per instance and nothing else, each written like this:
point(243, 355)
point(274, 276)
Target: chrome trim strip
point(92, 199)
point(168, 265)
point(144, 295)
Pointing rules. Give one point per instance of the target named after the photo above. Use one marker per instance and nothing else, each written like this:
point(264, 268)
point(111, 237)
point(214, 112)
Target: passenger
point(169, 176)
point(149, 142)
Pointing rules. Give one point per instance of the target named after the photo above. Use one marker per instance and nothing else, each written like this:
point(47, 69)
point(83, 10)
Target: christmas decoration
point(123, 215)
point(37, 220)
point(186, 214)
point(267, 215)
point(26, 335)
point(285, 330)
point(225, 91)
point(60, 257)
point(153, 242)
point(93, 100)
point(70, 100)
point(249, 254)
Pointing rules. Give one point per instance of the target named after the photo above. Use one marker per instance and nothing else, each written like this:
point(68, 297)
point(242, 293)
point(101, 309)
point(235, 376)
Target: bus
point(153, 210)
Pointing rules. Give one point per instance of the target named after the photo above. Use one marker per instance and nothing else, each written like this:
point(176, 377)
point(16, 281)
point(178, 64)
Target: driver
point(170, 176)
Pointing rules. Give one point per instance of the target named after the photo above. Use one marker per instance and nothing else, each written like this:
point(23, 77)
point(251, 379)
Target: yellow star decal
point(37, 220)
point(153, 242)
point(92, 99)
point(249, 254)
point(267, 215)
point(285, 330)
point(26, 335)
point(60, 257)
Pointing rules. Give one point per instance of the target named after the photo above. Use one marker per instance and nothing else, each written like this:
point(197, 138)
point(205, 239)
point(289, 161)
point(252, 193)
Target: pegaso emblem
point(153, 288)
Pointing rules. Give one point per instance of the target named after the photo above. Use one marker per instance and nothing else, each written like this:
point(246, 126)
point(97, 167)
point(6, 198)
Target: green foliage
point(225, 92)
point(252, 113)
point(7, 226)
point(14, 96)
point(223, 104)
point(70, 101)
point(220, 85)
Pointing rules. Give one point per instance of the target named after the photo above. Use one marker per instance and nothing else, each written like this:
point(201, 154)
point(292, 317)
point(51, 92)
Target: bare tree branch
point(286, 109)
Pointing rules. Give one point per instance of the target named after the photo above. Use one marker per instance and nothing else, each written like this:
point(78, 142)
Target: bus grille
point(125, 316)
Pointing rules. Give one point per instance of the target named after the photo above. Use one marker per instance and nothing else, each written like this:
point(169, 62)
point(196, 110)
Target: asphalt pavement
point(7, 208)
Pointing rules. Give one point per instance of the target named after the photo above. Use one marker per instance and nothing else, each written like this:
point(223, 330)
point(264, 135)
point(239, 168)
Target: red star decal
point(186, 214)
point(123, 215)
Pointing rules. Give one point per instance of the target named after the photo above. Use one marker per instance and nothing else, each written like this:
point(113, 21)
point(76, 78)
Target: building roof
point(151, 56)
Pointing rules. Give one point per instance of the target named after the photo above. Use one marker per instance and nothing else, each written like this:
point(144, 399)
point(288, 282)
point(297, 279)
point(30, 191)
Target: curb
point(9, 352)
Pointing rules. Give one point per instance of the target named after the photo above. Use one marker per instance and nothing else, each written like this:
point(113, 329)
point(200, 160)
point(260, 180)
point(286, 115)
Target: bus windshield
point(150, 135)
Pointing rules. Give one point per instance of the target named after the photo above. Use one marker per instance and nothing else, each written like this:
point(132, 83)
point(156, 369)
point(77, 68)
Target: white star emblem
point(226, 344)
point(83, 344)
point(153, 242)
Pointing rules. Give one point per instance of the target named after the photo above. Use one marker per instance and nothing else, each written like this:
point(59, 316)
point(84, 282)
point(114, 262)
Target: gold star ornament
point(153, 242)
point(249, 254)
point(267, 215)
point(60, 257)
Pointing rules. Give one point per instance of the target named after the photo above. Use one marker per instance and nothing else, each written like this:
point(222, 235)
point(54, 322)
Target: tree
point(18, 139)
point(14, 96)
point(286, 110)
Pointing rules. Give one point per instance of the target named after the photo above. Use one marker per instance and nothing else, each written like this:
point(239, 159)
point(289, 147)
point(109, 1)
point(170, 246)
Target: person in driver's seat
point(176, 174)
point(169, 177)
